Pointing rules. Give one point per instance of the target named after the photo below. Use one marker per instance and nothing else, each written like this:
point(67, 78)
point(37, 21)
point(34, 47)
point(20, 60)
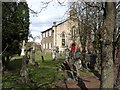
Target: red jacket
point(73, 48)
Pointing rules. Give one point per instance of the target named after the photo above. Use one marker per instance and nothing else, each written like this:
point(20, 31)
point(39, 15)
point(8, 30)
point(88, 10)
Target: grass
point(84, 74)
point(47, 73)
point(43, 76)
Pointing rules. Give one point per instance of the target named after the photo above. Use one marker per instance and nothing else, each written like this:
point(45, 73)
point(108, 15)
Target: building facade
point(47, 39)
point(60, 35)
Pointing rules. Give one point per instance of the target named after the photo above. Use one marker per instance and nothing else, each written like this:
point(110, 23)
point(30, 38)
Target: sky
point(44, 20)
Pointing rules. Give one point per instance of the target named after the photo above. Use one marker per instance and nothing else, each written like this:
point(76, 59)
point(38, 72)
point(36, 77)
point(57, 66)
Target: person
point(77, 54)
point(91, 65)
point(70, 56)
point(73, 47)
point(83, 60)
point(77, 59)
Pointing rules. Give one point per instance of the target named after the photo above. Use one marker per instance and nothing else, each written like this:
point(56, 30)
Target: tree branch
point(92, 5)
point(61, 3)
point(46, 5)
point(4, 49)
point(117, 40)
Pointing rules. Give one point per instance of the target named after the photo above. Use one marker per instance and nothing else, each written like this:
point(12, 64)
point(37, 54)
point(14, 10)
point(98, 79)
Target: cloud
point(45, 19)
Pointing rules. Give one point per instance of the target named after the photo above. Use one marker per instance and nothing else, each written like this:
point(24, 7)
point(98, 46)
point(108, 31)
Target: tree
point(15, 28)
point(116, 48)
point(104, 28)
point(106, 34)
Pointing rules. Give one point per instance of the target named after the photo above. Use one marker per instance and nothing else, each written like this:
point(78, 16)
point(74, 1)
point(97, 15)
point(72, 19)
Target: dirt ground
point(90, 81)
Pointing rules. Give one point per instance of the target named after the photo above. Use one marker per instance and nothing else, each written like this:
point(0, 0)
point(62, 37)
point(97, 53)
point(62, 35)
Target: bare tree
point(104, 28)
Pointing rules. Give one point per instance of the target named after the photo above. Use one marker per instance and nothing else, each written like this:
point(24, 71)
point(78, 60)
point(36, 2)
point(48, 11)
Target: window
point(43, 46)
point(50, 45)
point(46, 34)
point(63, 39)
point(46, 46)
point(73, 32)
point(43, 35)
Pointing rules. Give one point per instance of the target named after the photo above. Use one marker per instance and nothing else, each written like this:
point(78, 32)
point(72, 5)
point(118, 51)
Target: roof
point(46, 30)
point(55, 25)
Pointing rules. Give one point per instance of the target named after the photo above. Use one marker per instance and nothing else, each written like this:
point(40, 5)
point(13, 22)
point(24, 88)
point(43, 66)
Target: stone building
point(47, 40)
point(60, 35)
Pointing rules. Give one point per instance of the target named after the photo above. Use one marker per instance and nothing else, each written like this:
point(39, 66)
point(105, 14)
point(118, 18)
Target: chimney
point(54, 23)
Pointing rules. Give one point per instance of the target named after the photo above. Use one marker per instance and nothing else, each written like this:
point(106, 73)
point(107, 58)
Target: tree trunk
point(117, 68)
point(24, 70)
point(3, 64)
point(7, 62)
point(107, 73)
point(117, 84)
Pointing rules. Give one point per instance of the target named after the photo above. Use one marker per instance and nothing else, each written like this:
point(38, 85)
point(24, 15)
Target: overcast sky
point(44, 20)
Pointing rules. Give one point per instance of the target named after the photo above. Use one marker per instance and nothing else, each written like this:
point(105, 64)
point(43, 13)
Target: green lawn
point(46, 75)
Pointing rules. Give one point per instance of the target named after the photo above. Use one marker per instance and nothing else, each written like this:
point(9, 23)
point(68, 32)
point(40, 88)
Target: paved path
point(90, 82)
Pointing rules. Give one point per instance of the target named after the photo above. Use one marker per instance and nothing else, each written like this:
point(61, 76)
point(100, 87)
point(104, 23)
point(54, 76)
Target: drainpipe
point(54, 35)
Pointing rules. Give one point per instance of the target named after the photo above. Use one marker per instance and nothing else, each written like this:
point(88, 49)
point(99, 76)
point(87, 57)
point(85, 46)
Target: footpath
point(90, 81)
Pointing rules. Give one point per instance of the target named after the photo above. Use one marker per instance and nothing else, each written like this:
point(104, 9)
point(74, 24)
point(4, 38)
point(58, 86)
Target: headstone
point(67, 53)
point(78, 64)
point(53, 55)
